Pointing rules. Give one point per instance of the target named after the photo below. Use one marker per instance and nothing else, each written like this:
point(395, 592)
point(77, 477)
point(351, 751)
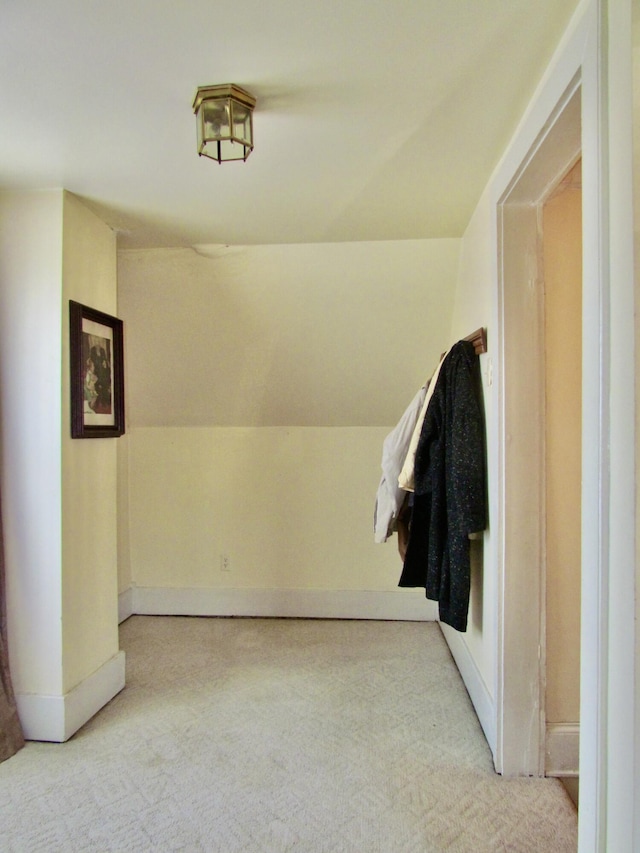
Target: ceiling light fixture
point(224, 118)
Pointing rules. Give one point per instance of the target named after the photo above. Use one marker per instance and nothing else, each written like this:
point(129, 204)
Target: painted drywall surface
point(636, 204)
point(475, 305)
point(291, 508)
point(89, 467)
point(562, 250)
point(623, 788)
point(261, 382)
point(305, 335)
point(30, 389)
point(124, 545)
point(608, 703)
point(478, 294)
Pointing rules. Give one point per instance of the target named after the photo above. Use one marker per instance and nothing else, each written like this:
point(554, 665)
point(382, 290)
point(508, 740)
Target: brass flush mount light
point(224, 118)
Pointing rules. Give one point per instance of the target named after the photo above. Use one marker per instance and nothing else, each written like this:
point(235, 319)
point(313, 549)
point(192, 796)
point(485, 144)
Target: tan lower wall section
point(271, 508)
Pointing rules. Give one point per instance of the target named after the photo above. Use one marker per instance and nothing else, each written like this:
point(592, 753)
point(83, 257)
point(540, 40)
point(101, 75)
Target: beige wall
point(58, 494)
point(261, 382)
point(89, 467)
point(474, 307)
point(124, 549)
point(338, 334)
point(30, 390)
point(562, 229)
point(636, 233)
point(291, 507)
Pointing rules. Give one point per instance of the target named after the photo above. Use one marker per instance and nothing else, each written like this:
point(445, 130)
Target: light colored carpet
point(268, 736)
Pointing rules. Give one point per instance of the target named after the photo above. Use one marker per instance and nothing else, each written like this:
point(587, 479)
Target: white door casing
point(594, 61)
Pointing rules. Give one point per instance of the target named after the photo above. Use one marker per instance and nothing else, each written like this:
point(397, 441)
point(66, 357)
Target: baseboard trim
point(403, 605)
point(481, 699)
point(57, 718)
point(125, 605)
point(562, 749)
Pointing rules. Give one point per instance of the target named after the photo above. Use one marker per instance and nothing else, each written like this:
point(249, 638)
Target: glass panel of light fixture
point(230, 150)
point(200, 131)
point(216, 120)
point(242, 122)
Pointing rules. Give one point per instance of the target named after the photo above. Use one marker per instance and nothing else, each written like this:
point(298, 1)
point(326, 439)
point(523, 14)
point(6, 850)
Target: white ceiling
point(375, 119)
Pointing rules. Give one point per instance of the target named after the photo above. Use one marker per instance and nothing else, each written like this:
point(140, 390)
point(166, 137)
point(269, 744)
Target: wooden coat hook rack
point(479, 340)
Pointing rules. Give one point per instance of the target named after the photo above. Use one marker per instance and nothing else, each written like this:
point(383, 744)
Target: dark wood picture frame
point(97, 373)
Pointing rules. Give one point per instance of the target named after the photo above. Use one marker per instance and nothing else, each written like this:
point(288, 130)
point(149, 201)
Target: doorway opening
point(562, 271)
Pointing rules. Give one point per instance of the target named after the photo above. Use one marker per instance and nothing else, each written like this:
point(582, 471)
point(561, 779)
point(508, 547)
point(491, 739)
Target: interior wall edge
point(56, 718)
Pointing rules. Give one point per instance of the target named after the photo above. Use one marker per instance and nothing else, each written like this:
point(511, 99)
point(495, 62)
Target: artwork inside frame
point(97, 373)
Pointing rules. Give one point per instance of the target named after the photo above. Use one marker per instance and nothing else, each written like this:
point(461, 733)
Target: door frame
point(522, 636)
point(596, 51)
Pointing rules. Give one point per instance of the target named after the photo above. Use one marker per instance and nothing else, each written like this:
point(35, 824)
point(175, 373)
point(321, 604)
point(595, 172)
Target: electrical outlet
point(225, 563)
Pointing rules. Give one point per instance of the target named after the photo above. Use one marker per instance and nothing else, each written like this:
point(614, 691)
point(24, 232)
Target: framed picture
point(97, 373)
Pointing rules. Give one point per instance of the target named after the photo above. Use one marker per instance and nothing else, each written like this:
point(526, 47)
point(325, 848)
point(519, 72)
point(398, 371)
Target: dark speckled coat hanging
point(450, 488)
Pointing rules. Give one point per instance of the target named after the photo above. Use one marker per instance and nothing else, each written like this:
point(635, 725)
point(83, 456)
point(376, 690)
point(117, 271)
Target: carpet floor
point(277, 735)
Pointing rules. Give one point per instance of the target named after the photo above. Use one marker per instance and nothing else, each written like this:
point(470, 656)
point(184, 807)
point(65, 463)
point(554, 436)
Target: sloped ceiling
point(375, 120)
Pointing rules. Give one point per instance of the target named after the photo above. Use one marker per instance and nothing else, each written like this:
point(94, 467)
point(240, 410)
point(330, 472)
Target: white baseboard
point(125, 605)
point(57, 718)
point(403, 605)
point(562, 749)
point(474, 682)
